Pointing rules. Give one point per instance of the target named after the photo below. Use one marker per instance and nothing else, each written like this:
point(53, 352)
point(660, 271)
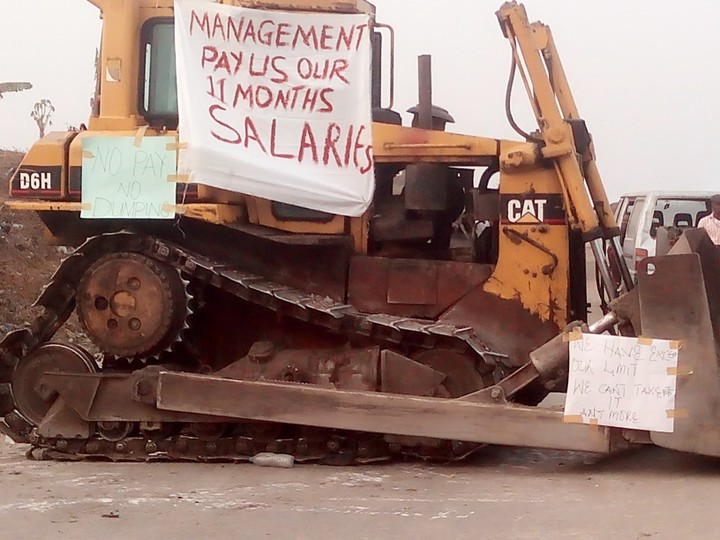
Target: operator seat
point(682, 219)
point(658, 218)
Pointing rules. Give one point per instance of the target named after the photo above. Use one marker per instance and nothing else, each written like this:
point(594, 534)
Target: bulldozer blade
point(679, 301)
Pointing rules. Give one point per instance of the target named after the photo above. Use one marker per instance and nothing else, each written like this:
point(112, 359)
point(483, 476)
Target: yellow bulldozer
point(426, 317)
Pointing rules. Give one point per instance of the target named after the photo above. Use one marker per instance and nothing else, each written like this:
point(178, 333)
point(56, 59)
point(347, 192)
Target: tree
point(41, 113)
point(7, 87)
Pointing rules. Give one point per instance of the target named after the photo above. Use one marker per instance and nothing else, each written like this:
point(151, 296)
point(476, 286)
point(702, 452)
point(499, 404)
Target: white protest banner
point(622, 382)
point(276, 104)
point(124, 179)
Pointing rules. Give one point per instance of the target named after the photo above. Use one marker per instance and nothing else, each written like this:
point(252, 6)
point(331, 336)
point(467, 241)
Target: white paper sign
point(276, 104)
point(622, 382)
point(123, 179)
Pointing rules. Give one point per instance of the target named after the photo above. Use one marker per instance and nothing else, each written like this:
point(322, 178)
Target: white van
point(641, 214)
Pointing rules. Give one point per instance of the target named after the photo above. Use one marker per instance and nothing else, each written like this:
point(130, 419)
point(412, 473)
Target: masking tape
point(678, 414)
point(173, 209)
point(575, 335)
point(676, 371)
point(88, 155)
point(573, 419)
point(676, 345)
point(171, 147)
point(139, 136)
point(645, 341)
point(85, 207)
point(179, 178)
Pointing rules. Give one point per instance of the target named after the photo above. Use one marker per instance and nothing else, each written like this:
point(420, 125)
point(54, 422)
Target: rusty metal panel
point(411, 283)
point(683, 313)
point(504, 325)
point(401, 375)
point(411, 287)
point(379, 413)
point(391, 224)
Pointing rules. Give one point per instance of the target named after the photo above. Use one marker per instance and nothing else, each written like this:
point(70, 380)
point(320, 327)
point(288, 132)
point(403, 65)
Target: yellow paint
point(41, 206)
point(218, 214)
point(519, 272)
point(398, 144)
point(553, 103)
point(262, 214)
point(50, 151)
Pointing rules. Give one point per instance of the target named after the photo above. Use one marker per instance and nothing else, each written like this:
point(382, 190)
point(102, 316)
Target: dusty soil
point(501, 494)
point(28, 258)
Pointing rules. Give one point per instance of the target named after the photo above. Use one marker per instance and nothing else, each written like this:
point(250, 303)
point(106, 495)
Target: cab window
point(635, 221)
point(158, 92)
point(680, 213)
point(623, 218)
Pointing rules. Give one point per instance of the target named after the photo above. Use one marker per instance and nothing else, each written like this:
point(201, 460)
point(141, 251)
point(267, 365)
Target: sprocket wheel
point(131, 305)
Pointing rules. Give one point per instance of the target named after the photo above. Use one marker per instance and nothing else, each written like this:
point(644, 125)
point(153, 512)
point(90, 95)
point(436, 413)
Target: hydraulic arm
point(563, 135)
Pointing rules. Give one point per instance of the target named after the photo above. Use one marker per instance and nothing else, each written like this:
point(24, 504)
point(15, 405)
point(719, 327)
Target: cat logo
point(526, 211)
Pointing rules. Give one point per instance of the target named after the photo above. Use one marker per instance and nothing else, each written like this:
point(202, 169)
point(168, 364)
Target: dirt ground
point(24, 263)
point(28, 258)
point(501, 494)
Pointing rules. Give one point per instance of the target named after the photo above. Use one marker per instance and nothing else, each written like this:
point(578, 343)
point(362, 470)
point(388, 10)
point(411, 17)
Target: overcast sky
point(645, 75)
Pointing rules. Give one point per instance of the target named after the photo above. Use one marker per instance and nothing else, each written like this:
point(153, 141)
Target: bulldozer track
point(58, 300)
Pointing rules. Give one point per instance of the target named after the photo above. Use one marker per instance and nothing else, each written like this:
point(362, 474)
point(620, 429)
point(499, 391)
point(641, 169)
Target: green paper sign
point(123, 181)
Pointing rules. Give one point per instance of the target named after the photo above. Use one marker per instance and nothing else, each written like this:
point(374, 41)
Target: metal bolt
point(13, 420)
point(333, 446)
point(134, 284)
point(33, 438)
point(120, 447)
point(143, 388)
point(135, 324)
point(101, 303)
point(61, 445)
point(211, 448)
point(556, 135)
point(151, 447)
point(112, 324)
point(495, 393)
